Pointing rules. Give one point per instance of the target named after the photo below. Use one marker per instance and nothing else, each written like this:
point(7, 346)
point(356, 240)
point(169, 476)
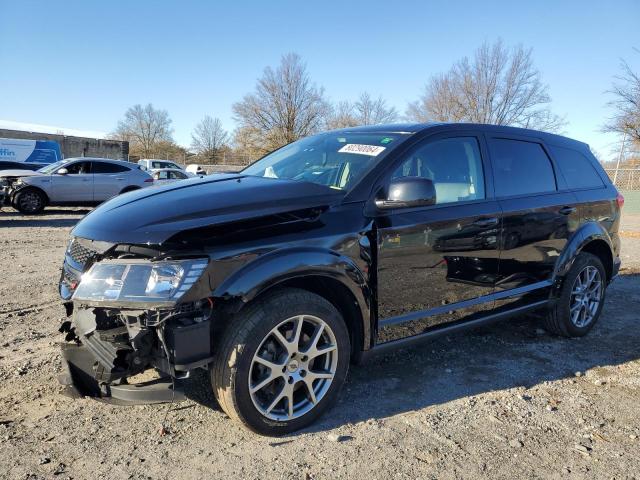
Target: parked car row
point(79, 182)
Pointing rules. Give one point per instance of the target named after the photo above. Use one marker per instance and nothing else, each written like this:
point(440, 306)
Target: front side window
point(577, 169)
point(51, 168)
point(453, 164)
point(336, 160)
point(79, 168)
point(520, 168)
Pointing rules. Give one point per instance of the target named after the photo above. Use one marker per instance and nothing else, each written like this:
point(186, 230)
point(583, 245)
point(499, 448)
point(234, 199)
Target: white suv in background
point(150, 164)
point(74, 181)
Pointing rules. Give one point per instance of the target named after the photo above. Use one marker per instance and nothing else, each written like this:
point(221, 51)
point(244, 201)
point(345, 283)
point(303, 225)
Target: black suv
point(329, 249)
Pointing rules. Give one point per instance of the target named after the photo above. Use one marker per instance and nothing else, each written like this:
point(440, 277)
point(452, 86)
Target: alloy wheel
point(293, 368)
point(586, 296)
point(30, 202)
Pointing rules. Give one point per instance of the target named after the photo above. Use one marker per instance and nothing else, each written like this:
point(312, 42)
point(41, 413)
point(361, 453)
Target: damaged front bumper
point(109, 346)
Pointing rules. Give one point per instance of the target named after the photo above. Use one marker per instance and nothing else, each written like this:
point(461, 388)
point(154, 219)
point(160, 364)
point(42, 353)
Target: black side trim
point(448, 329)
point(513, 292)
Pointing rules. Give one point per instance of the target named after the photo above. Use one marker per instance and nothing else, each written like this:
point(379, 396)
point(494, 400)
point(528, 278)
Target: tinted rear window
point(577, 169)
point(103, 167)
point(520, 168)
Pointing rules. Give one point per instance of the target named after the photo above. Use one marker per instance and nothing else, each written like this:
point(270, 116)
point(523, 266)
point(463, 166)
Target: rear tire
point(581, 299)
point(30, 201)
point(281, 362)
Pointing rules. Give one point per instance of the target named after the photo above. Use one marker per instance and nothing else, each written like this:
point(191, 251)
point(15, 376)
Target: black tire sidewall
point(316, 306)
point(582, 261)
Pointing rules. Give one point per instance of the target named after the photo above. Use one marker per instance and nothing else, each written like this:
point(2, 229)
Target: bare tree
point(342, 116)
point(145, 127)
point(365, 111)
point(209, 138)
point(374, 111)
point(626, 103)
point(285, 106)
point(499, 86)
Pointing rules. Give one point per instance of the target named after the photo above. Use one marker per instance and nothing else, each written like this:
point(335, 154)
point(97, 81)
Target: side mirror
point(407, 192)
point(62, 171)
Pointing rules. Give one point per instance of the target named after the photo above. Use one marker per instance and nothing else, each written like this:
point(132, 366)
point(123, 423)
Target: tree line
point(496, 85)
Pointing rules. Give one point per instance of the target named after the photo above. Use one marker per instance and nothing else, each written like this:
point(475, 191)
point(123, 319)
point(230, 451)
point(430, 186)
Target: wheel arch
point(325, 273)
point(591, 238)
point(47, 200)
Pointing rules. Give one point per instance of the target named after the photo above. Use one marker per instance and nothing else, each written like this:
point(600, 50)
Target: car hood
point(151, 216)
point(18, 173)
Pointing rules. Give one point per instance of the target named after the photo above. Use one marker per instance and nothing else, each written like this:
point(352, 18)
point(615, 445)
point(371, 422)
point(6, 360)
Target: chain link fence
point(625, 178)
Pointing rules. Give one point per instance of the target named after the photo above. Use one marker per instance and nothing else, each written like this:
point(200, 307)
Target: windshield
point(51, 168)
point(336, 160)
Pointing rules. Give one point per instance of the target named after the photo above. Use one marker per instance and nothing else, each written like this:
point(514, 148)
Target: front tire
point(581, 299)
point(30, 201)
point(281, 362)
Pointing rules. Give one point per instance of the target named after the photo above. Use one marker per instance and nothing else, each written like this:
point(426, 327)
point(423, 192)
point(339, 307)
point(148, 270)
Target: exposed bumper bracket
point(80, 381)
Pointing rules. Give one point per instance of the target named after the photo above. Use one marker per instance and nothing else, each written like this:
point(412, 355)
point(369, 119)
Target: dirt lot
point(506, 402)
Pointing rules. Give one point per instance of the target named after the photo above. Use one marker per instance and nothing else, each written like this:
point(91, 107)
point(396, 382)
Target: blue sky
point(81, 64)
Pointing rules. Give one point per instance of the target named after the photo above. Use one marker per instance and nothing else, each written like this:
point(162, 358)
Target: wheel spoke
point(282, 340)
point(319, 376)
point(296, 335)
point(277, 399)
point(263, 361)
point(289, 396)
point(312, 396)
point(270, 378)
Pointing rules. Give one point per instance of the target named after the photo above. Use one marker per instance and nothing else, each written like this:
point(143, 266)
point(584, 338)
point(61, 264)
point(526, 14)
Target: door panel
point(535, 231)
point(107, 185)
point(430, 260)
point(436, 263)
point(75, 186)
point(108, 180)
point(535, 227)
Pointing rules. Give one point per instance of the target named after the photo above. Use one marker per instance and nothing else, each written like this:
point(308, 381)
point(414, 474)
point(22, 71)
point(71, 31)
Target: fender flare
point(274, 268)
point(587, 233)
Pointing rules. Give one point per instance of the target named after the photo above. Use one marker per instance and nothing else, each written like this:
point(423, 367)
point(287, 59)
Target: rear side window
point(103, 167)
point(520, 168)
point(577, 169)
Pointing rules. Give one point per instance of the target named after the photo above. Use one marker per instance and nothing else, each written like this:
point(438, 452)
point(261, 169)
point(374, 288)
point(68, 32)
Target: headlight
point(139, 281)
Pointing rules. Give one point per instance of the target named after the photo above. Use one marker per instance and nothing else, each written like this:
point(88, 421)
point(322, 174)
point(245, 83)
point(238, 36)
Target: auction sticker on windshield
point(371, 150)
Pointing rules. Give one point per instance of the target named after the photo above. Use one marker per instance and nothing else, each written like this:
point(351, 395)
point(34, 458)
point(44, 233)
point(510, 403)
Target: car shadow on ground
point(48, 218)
point(510, 354)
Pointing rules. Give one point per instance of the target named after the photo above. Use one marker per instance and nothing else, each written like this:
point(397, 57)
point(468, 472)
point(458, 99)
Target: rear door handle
point(486, 222)
point(567, 210)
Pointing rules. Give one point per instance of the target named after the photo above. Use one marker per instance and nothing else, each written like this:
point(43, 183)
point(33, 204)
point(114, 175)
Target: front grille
point(80, 254)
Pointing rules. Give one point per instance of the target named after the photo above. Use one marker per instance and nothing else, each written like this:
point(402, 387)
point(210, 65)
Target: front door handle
point(486, 222)
point(567, 210)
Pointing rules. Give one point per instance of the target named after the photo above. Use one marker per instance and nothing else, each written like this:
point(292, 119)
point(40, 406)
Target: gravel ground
point(504, 402)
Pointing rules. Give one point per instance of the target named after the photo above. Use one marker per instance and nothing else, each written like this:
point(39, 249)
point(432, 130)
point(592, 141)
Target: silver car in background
point(73, 181)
